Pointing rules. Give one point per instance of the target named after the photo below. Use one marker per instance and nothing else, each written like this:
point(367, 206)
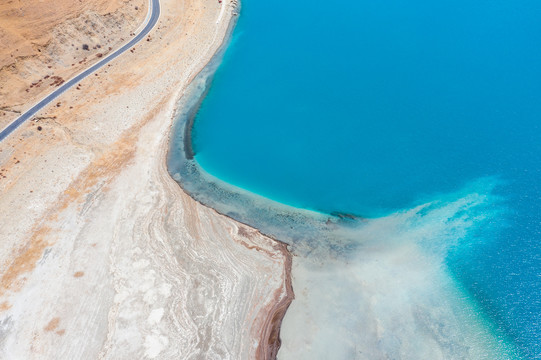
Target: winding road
point(154, 14)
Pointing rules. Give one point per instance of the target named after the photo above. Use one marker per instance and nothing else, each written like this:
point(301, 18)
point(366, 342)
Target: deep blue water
point(369, 107)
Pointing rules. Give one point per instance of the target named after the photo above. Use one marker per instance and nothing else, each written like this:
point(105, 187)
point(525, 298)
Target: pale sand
point(102, 255)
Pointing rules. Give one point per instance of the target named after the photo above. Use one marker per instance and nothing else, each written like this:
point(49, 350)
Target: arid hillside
point(45, 42)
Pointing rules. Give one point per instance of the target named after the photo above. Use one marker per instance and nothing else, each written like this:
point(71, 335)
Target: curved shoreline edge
point(270, 217)
point(188, 105)
point(311, 234)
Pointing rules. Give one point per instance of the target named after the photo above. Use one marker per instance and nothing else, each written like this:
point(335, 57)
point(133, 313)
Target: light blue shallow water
point(371, 107)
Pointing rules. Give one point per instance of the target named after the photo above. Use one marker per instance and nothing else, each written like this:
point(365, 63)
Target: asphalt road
point(154, 15)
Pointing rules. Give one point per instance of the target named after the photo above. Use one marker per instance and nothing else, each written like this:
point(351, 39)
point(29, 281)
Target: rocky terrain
point(43, 43)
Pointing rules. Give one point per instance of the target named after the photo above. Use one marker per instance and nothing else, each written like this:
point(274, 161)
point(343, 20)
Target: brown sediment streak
point(269, 327)
point(4, 306)
point(52, 325)
point(24, 262)
point(102, 170)
point(270, 341)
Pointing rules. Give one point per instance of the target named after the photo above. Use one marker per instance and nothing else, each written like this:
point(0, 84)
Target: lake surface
point(372, 108)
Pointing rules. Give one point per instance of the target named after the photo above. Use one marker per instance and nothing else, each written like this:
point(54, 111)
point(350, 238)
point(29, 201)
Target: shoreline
point(270, 342)
point(324, 242)
point(302, 224)
point(210, 66)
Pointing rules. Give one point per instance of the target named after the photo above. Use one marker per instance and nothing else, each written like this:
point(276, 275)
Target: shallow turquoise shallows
point(369, 107)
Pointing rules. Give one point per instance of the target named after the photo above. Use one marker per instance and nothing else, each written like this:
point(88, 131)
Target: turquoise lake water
point(370, 108)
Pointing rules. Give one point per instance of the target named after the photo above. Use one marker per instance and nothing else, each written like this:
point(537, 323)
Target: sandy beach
point(102, 253)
